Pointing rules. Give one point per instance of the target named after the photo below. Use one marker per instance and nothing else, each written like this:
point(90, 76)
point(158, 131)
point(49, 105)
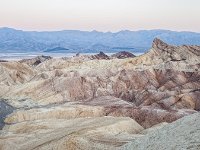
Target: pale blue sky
point(101, 15)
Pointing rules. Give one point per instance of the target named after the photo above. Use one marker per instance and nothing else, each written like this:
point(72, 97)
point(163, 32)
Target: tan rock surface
point(181, 134)
point(12, 73)
point(82, 133)
point(61, 103)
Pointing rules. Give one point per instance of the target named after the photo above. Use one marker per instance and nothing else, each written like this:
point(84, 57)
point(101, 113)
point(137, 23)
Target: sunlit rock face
point(98, 102)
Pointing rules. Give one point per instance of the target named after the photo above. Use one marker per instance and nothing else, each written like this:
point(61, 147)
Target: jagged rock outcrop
point(101, 55)
point(12, 73)
point(35, 61)
point(175, 53)
point(159, 86)
point(123, 55)
point(164, 56)
point(3, 61)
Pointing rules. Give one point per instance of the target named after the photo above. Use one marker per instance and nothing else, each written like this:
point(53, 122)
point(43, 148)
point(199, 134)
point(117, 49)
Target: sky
point(100, 15)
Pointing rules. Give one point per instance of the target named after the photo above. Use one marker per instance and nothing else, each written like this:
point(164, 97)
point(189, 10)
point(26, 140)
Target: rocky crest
point(101, 55)
point(35, 61)
point(174, 53)
point(122, 55)
point(83, 102)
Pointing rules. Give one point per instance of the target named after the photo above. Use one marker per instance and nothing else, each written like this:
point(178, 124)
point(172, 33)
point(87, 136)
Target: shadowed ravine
point(5, 109)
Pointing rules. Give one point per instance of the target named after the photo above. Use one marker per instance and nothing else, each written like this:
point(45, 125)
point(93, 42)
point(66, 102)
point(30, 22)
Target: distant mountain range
point(12, 40)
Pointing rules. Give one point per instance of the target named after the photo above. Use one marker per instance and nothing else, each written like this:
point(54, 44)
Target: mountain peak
point(157, 43)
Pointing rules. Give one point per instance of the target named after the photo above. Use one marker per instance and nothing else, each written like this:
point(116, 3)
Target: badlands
point(124, 102)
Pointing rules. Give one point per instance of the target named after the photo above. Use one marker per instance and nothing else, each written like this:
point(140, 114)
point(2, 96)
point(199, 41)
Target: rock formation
point(35, 61)
point(72, 103)
point(101, 55)
point(3, 61)
point(122, 55)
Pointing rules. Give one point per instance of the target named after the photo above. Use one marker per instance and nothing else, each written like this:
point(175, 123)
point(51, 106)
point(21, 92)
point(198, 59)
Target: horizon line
point(156, 29)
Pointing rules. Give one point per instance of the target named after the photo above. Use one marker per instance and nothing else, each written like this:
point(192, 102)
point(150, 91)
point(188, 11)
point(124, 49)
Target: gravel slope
point(180, 135)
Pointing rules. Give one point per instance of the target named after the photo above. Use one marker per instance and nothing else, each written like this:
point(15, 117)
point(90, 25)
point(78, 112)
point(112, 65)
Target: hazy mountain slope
point(83, 41)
